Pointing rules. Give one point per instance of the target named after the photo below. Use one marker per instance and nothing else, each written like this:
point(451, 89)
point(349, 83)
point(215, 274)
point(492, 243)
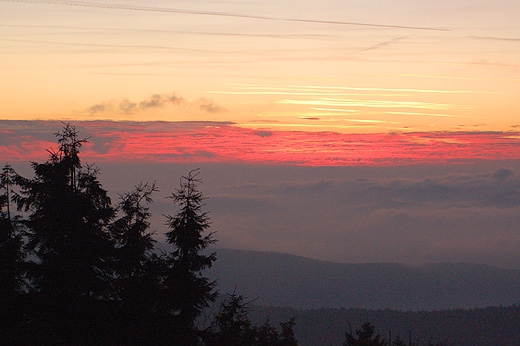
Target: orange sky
point(334, 66)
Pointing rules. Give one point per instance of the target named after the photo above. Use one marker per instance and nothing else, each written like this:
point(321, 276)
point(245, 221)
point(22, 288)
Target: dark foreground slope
point(287, 280)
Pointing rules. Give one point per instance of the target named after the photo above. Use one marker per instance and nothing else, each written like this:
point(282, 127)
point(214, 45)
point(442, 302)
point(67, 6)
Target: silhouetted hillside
point(287, 280)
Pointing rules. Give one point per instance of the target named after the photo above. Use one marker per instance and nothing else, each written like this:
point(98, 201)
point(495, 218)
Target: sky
point(354, 131)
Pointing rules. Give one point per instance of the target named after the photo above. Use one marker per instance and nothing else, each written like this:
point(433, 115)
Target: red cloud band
point(223, 142)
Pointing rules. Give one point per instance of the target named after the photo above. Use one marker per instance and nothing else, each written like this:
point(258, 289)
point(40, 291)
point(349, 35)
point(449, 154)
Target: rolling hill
point(275, 279)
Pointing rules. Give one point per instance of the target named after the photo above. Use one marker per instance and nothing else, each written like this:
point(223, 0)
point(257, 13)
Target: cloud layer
point(413, 214)
point(185, 142)
point(453, 217)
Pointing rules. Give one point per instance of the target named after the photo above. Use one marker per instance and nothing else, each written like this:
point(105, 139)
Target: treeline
point(76, 269)
point(497, 325)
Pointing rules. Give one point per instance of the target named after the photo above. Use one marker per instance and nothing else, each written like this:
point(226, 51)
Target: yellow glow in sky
point(353, 66)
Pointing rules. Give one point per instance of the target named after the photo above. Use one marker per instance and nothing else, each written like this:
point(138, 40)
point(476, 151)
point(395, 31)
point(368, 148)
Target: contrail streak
point(506, 39)
point(219, 14)
point(382, 44)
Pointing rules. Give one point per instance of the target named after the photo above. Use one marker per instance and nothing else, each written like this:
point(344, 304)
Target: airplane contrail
point(507, 39)
point(212, 13)
point(382, 44)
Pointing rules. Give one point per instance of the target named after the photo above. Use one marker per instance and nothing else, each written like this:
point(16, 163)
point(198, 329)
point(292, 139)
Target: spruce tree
point(232, 326)
point(11, 254)
point(12, 266)
point(137, 268)
point(134, 242)
point(67, 233)
point(186, 290)
point(365, 337)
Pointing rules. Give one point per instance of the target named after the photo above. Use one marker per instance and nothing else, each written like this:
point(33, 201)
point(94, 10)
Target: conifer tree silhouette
point(67, 232)
point(11, 261)
point(187, 291)
point(365, 337)
point(232, 327)
point(137, 268)
point(78, 271)
point(11, 254)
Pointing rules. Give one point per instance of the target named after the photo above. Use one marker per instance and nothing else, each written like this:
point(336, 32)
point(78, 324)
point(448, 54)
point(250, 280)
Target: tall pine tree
point(67, 233)
point(186, 290)
point(11, 254)
point(12, 266)
point(137, 268)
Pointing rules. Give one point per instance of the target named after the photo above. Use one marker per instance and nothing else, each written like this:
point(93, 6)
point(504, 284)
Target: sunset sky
point(342, 66)
point(416, 100)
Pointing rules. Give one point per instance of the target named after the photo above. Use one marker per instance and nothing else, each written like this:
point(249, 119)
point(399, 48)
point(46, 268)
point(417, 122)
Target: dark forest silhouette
point(77, 269)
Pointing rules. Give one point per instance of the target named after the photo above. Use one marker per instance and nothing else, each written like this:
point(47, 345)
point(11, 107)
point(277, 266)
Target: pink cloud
point(201, 142)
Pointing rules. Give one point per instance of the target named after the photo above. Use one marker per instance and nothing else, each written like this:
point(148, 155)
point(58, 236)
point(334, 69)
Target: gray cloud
point(14, 131)
point(97, 109)
point(125, 106)
point(502, 173)
point(128, 107)
point(157, 101)
point(154, 102)
point(412, 215)
point(210, 107)
point(415, 217)
point(263, 133)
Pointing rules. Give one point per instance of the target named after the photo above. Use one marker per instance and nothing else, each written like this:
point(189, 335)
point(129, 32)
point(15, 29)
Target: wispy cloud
point(426, 114)
point(448, 77)
point(335, 110)
point(93, 45)
point(493, 38)
point(427, 91)
point(114, 6)
point(185, 32)
point(210, 107)
point(368, 103)
point(326, 89)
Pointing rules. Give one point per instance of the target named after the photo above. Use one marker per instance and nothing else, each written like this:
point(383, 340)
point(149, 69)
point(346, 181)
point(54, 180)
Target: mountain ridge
point(277, 279)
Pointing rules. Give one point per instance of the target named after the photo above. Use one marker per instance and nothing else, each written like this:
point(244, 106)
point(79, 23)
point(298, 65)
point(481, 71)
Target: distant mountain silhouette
point(287, 280)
